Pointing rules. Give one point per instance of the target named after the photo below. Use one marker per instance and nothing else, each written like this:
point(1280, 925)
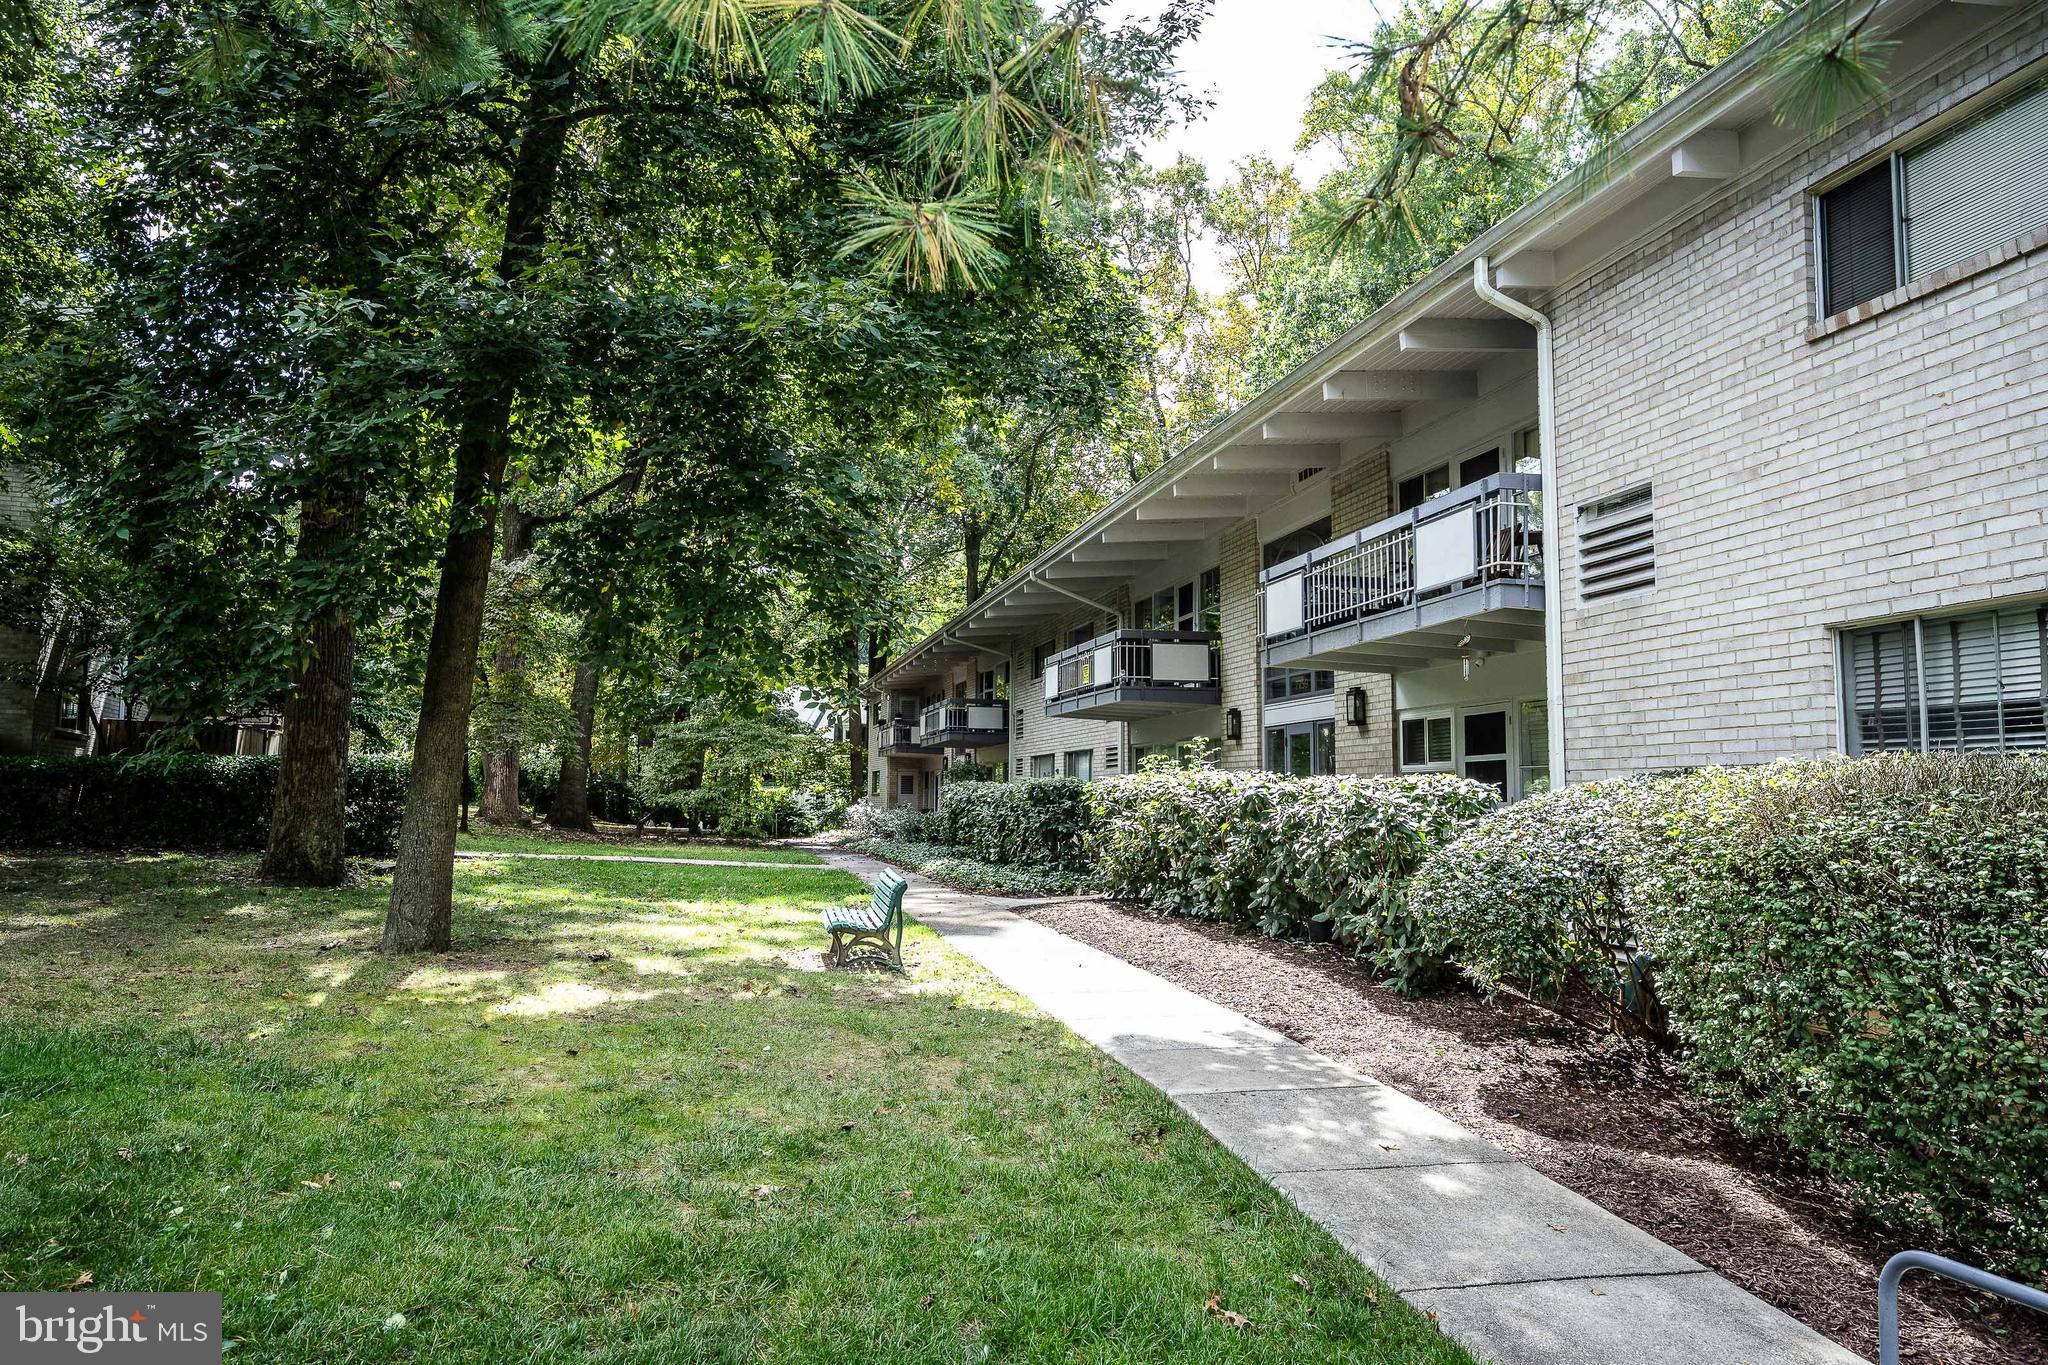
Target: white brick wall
point(1899, 464)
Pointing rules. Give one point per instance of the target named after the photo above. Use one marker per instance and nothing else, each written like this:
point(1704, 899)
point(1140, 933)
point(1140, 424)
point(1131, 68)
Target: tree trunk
point(423, 883)
point(571, 808)
point(500, 805)
point(309, 816)
point(856, 721)
point(971, 552)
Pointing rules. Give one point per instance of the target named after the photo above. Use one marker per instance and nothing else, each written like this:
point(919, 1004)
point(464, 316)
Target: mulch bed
point(1605, 1118)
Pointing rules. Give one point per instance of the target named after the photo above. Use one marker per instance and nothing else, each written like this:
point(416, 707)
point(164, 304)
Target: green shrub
point(1293, 855)
point(1856, 957)
point(1041, 822)
point(1182, 841)
point(867, 820)
point(1534, 896)
point(179, 801)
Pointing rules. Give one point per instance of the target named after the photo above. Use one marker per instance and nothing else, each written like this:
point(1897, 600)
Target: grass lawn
point(620, 843)
point(629, 1120)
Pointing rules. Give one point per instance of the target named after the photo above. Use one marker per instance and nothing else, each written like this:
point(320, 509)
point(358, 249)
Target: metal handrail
point(951, 714)
point(1895, 1270)
point(1075, 670)
point(1373, 570)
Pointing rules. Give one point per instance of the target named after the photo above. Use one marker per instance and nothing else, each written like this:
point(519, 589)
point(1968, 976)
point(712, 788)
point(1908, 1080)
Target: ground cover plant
point(951, 864)
point(628, 1121)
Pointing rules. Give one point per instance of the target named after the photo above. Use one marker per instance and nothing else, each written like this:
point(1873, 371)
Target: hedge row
point(179, 801)
point(1041, 822)
point(1317, 857)
point(1853, 955)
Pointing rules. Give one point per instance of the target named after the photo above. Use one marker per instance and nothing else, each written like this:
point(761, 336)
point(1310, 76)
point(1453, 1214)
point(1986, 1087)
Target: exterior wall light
point(1233, 725)
point(1354, 707)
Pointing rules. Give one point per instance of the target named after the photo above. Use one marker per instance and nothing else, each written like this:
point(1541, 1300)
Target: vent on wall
point(1617, 545)
point(1109, 759)
point(1020, 767)
point(1304, 475)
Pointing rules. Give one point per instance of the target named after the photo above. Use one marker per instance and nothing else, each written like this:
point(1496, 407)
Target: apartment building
point(1736, 448)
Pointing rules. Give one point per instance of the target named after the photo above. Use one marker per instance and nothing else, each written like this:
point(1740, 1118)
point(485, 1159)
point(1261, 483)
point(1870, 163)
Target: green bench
point(877, 927)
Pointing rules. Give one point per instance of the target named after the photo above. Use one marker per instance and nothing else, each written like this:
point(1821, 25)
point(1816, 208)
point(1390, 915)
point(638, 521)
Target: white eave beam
point(1273, 459)
point(1119, 554)
point(1527, 270)
point(1190, 509)
point(1148, 530)
point(1468, 334)
point(1400, 386)
point(1307, 428)
point(1712, 154)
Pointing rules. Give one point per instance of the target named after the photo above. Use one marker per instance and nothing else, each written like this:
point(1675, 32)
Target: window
point(1306, 749)
point(1962, 193)
point(874, 783)
point(1284, 683)
point(1080, 635)
point(1529, 450)
point(1617, 544)
point(906, 784)
point(1420, 488)
point(1297, 542)
point(1042, 766)
point(1194, 605)
point(992, 684)
point(1039, 655)
point(74, 703)
point(1971, 682)
point(1481, 466)
point(1535, 747)
point(1486, 749)
point(1426, 742)
point(1081, 763)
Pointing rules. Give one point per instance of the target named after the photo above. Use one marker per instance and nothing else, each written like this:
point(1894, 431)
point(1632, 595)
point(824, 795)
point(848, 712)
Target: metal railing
point(1487, 532)
point(1174, 659)
point(1981, 1280)
point(902, 734)
point(956, 714)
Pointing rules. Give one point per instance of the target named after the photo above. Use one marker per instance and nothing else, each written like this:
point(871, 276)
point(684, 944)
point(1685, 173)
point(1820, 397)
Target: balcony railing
point(1487, 533)
point(903, 736)
point(966, 723)
point(1131, 673)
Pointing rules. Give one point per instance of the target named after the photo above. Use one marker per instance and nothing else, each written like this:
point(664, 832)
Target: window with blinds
point(1617, 544)
point(1970, 683)
point(1973, 189)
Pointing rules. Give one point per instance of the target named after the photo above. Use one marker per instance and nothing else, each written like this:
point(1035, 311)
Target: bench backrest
point(889, 889)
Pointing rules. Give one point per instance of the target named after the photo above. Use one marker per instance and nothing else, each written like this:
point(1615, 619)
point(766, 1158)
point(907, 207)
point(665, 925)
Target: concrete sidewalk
point(1516, 1267)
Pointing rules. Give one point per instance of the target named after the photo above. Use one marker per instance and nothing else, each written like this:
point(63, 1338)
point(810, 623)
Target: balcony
point(1132, 674)
point(965, 724)
point(1459, 575)
point(901, 737)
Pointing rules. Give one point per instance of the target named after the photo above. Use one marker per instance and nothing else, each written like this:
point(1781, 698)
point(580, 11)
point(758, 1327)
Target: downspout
point(1546, 426)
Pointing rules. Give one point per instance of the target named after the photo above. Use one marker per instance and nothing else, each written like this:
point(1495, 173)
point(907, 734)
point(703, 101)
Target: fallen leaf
point(395, 1322)
point(321, 1183)
point(124, 1154)
point(84, 1279)
point(1300, 1281)
point(1390, 1146)
point(928, 1299)
point(764, 1191)
point(394, 1184)
point(1214, 1307)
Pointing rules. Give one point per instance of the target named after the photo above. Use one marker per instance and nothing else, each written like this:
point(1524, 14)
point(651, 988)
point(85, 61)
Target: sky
point(1257, 60)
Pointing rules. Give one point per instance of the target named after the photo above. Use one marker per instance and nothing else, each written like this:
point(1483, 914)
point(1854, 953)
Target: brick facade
point(1361, 494)
point(1805, 477)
